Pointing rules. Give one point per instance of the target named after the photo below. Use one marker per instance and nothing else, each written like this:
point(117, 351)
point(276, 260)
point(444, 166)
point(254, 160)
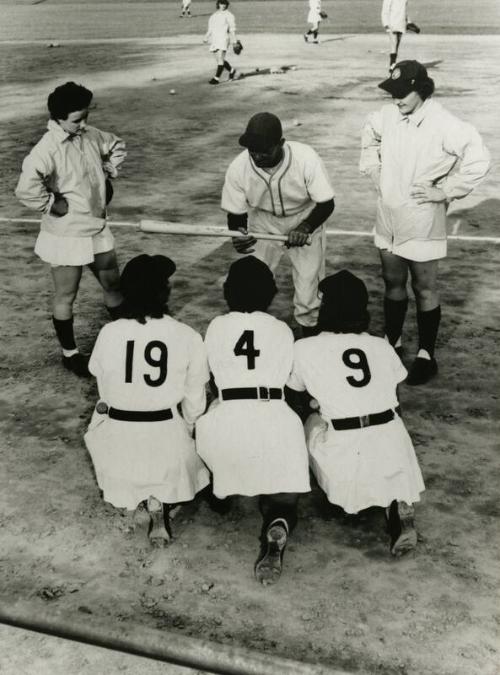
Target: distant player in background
point(220, 35)
point(67, 179)
point(148, 366)
point(394, 20)
point(250, 439)
point(186, 8)
point(360, 451)
point(281, 187)
point(420, 157)
point(314, 18)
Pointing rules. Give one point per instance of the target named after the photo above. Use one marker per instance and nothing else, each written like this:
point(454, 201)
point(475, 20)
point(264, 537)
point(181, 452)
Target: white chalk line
point(329, 232)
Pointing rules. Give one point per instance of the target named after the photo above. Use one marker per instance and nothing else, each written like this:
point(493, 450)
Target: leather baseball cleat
point(401, 526)
point(268, 568)
point(77, 364)
point(421, 371)
point(159, 532)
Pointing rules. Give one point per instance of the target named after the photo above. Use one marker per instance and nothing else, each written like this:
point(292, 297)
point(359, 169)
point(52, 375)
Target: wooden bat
point(165, 227)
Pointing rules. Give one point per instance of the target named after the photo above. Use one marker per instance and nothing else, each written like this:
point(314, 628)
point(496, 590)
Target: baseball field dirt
point(342, 602)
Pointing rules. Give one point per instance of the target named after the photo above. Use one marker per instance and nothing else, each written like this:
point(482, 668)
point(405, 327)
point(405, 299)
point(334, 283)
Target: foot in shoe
point(214, 80)
point(421, 371)
point(77, 364)
point(268, 569)
point(158, 533)
point(404, 535)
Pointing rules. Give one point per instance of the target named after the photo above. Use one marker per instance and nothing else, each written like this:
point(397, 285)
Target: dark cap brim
point(397, 88)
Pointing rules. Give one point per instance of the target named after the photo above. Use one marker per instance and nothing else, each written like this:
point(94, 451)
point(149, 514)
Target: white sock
point(423, 354)
point(70, 352)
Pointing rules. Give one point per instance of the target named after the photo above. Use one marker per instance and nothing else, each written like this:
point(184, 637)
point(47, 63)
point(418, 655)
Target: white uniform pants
point(308, 262)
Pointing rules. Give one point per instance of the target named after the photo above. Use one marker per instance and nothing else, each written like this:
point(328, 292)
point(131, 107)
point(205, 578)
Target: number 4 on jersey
point(245, 347)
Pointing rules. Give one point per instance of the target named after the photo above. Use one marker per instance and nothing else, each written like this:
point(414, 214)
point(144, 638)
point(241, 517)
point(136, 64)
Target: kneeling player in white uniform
point(148, 367)
point(360, 451)
point(250, 439)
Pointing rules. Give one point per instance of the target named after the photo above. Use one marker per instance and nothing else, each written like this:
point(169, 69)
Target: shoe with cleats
point(77, 364)
point(421, 371)
point(214, 80)
point(268, 568)
point(401, 526)
point(159, 532)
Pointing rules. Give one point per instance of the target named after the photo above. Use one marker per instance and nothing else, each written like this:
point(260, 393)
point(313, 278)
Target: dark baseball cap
point(345, 292)
point(405, 78)
point(263, 131)
point(145, 275)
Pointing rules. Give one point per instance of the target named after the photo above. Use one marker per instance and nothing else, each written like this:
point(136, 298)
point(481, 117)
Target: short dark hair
point(425, 89)
point(67, 98)
point(249, 286)
point(145, 287)
point(221, 2)
point(330, 320)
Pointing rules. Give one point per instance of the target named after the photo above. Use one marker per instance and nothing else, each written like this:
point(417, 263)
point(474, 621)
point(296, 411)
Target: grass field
point(342, 602)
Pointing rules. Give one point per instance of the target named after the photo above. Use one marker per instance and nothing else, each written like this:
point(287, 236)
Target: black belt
point(260, 393)
point(134, 415)
point(366, 420)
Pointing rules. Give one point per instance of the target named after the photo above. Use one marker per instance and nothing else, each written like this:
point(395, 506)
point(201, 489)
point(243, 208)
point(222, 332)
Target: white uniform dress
point(314, 15)
point(77, 167)
point(430, 146)
point(353, 375)
point(221, 30)
point(145, 367)
point(277, 201)
point(394, 15)
point(252, 447)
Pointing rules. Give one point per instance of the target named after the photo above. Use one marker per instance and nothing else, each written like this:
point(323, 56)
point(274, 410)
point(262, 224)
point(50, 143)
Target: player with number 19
point(147, 366)
point(360, 451)
point(250, 438)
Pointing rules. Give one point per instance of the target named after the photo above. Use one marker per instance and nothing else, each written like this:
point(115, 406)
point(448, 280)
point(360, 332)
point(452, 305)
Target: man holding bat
point(281, 187)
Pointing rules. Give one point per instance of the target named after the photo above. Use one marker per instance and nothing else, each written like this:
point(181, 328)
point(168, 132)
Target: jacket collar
point(58, 132)
point(419, 115)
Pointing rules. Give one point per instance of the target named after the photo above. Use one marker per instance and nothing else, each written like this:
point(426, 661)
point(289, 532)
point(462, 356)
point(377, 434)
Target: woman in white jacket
point(220, 34)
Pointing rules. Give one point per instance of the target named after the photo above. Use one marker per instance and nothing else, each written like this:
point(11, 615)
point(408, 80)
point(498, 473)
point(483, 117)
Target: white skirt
point(253, 448)
point(74, 251)
point(365, 467)
point(134, 460)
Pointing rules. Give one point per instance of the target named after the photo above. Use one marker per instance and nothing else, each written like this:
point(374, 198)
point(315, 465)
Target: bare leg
point(105, 270)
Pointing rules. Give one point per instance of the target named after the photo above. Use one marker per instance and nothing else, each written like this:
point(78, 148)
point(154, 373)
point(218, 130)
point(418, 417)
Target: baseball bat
point(165, 227)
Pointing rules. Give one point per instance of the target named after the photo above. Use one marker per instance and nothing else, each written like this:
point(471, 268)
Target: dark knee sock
point(428, 326)
point(227, 66)
point(315, 34)
point(219, 70)
point(394, 315)
point(272, 507)
point(64, 332)
point(393, 58)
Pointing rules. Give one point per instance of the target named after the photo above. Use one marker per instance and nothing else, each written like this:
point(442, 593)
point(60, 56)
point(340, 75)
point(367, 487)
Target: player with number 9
point(148, 365)
point(360, 451)
point(250, 439)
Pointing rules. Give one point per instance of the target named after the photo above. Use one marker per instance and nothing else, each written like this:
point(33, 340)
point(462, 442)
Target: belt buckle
point(264, 394)
point(364, 421)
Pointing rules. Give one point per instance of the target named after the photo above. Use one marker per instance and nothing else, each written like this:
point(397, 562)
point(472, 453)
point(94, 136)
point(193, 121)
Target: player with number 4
point(360, 451)
point(250, 439)
point(148, 367)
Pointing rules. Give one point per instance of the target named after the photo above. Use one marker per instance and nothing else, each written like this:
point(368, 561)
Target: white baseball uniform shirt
point(430, 146)
point(75, 166)
point(353, 375)
point(394, 15)
point(221, 30)
point(251, 446)
point(313, 15)
point(144, 367)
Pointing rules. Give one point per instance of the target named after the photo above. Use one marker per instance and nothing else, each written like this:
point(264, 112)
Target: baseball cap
point(345, 293)
point(263, 131)
point(145, 274)
point(249, 272)
point(404, 78)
